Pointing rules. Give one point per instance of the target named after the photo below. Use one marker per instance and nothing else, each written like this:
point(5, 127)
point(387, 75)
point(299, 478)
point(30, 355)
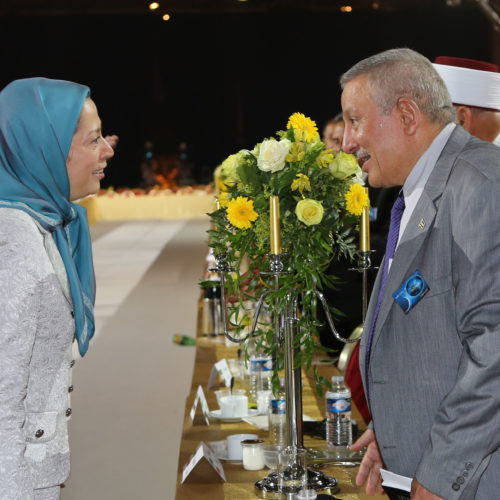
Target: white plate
point(216, 414)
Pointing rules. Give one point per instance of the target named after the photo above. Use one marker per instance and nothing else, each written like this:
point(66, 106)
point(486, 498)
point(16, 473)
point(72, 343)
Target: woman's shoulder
point(20, 235)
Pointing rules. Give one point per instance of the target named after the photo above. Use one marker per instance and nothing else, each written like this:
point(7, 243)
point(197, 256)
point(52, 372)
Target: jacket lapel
point(416, 231)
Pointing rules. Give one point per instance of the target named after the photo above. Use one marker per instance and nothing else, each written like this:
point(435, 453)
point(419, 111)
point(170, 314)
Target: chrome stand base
point(268, 487)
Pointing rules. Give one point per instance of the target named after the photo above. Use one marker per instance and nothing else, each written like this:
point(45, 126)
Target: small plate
point(216, 414)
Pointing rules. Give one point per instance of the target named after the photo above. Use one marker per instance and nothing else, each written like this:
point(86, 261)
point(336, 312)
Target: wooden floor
point(130, 389)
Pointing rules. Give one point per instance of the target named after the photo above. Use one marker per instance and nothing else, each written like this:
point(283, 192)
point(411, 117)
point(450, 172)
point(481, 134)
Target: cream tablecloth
point(127, 206)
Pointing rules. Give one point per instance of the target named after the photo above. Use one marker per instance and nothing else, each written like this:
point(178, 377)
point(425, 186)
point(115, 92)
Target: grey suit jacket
point(36, 333)
point(434, 377)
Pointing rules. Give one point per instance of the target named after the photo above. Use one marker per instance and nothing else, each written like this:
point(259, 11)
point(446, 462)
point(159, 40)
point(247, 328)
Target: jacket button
point(70, 388)
point(72, 363)
point(460, 480)
point(455, 486)
point(468, 466)
point(39, 433)
point(68, 412)
point(465, 473)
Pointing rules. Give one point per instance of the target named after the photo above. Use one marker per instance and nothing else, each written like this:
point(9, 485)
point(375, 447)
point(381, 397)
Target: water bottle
point(277, 416)
point(261, 373)
point(338, 414)
point(266, 373)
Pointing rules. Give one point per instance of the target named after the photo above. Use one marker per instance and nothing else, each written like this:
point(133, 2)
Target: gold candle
point(364, 229)
point(274, 205)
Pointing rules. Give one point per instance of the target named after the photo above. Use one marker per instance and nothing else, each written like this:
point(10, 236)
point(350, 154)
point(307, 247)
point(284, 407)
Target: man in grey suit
point(430, 354)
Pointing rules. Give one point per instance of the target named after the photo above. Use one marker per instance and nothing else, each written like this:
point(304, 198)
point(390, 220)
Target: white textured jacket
point(36, 333)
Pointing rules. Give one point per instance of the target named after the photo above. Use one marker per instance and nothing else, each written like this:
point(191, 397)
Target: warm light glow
point(166, 17)
point(153, 5)
point(375, 5)
point(346, 8)
point(242, 1)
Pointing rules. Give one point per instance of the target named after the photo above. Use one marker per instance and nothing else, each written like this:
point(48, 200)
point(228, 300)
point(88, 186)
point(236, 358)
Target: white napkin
point(392, 480)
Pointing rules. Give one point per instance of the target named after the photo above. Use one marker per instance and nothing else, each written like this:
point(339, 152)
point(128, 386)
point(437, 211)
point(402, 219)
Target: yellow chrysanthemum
point(301, 183)
point(240, 212)
point(356, 199)
point(296, 153)
point(304, 128)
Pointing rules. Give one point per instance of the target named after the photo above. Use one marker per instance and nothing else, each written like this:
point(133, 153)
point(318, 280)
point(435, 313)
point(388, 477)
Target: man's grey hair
point(400, 73)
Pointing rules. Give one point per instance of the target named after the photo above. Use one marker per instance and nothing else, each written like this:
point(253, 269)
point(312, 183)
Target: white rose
point(358, 178)
point(272, 154)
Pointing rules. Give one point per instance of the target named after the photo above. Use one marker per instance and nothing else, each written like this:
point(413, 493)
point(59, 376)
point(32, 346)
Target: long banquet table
point(240, 482)
point(183, 204)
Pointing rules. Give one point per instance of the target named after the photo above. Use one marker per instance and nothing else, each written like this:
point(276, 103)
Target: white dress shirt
point(415, 182)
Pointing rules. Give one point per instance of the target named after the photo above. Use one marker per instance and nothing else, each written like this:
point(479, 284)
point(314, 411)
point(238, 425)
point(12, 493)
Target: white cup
point(221, 393)
point(233, 406)
point(234, 449)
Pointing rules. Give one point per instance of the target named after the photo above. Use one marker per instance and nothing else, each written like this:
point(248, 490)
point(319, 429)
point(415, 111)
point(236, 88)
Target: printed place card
point(200, 397)
point(222, 369)
point(196, 461)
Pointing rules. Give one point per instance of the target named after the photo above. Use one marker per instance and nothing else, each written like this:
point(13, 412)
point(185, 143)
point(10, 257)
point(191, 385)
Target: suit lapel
point(421, 221)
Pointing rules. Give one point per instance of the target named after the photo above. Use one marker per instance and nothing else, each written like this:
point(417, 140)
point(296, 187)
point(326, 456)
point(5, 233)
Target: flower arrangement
point(320, 198)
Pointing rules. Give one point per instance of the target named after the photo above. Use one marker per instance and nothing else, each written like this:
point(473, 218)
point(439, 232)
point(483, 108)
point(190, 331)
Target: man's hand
point(418, 492)
point(371, 463)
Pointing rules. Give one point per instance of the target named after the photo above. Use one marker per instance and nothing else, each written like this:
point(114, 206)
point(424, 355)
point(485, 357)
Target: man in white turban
point(474, 87)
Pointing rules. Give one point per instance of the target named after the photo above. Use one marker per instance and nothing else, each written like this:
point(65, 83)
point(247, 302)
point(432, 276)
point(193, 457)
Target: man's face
point(375, 139)
point(485, 124)
point(332, 136)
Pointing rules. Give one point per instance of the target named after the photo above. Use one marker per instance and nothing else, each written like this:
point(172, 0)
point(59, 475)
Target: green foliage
point(309, 248)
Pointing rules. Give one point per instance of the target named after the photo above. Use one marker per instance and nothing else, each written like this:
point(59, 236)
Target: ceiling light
point(153, 5)
point(346, 8)
point(166, 17)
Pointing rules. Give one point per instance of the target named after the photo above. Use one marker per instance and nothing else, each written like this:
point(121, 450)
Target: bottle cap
point(252, 442)
point(337, 379)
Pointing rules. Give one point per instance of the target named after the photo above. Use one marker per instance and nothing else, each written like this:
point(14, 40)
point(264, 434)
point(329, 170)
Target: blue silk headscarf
point(38, 117)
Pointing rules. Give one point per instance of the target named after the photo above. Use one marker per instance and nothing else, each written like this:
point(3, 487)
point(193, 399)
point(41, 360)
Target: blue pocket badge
point(411, 291)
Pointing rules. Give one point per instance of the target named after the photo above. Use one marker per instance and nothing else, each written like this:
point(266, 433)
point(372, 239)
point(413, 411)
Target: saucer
point(216, 414)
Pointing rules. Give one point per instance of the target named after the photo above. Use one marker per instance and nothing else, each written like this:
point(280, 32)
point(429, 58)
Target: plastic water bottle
point(338, 414)
point(261, 372)
point(277, 416)
point(266, 373)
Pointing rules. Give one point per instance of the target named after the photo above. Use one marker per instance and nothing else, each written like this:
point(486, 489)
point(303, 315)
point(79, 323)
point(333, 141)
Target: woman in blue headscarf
point(51, 153)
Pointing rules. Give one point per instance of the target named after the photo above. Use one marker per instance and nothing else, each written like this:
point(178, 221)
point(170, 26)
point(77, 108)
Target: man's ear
point(409, 115)
point(464, 117)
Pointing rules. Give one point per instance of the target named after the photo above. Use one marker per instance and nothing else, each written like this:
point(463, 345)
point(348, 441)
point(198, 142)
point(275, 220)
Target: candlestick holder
point(286, 331)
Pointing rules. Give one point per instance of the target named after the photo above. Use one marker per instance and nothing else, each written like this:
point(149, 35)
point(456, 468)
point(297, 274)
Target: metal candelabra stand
point(286, 330)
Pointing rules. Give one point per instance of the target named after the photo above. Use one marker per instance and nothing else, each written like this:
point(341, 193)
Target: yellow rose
point(310, 212)
point(344, 165)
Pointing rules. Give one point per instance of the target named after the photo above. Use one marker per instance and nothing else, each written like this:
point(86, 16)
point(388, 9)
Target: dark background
point(220, 81)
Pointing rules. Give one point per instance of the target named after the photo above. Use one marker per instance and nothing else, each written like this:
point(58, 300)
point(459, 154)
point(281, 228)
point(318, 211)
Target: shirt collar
point(422, 170)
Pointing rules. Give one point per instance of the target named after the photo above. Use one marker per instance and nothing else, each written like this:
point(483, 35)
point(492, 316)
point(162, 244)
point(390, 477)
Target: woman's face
point(88, 154)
